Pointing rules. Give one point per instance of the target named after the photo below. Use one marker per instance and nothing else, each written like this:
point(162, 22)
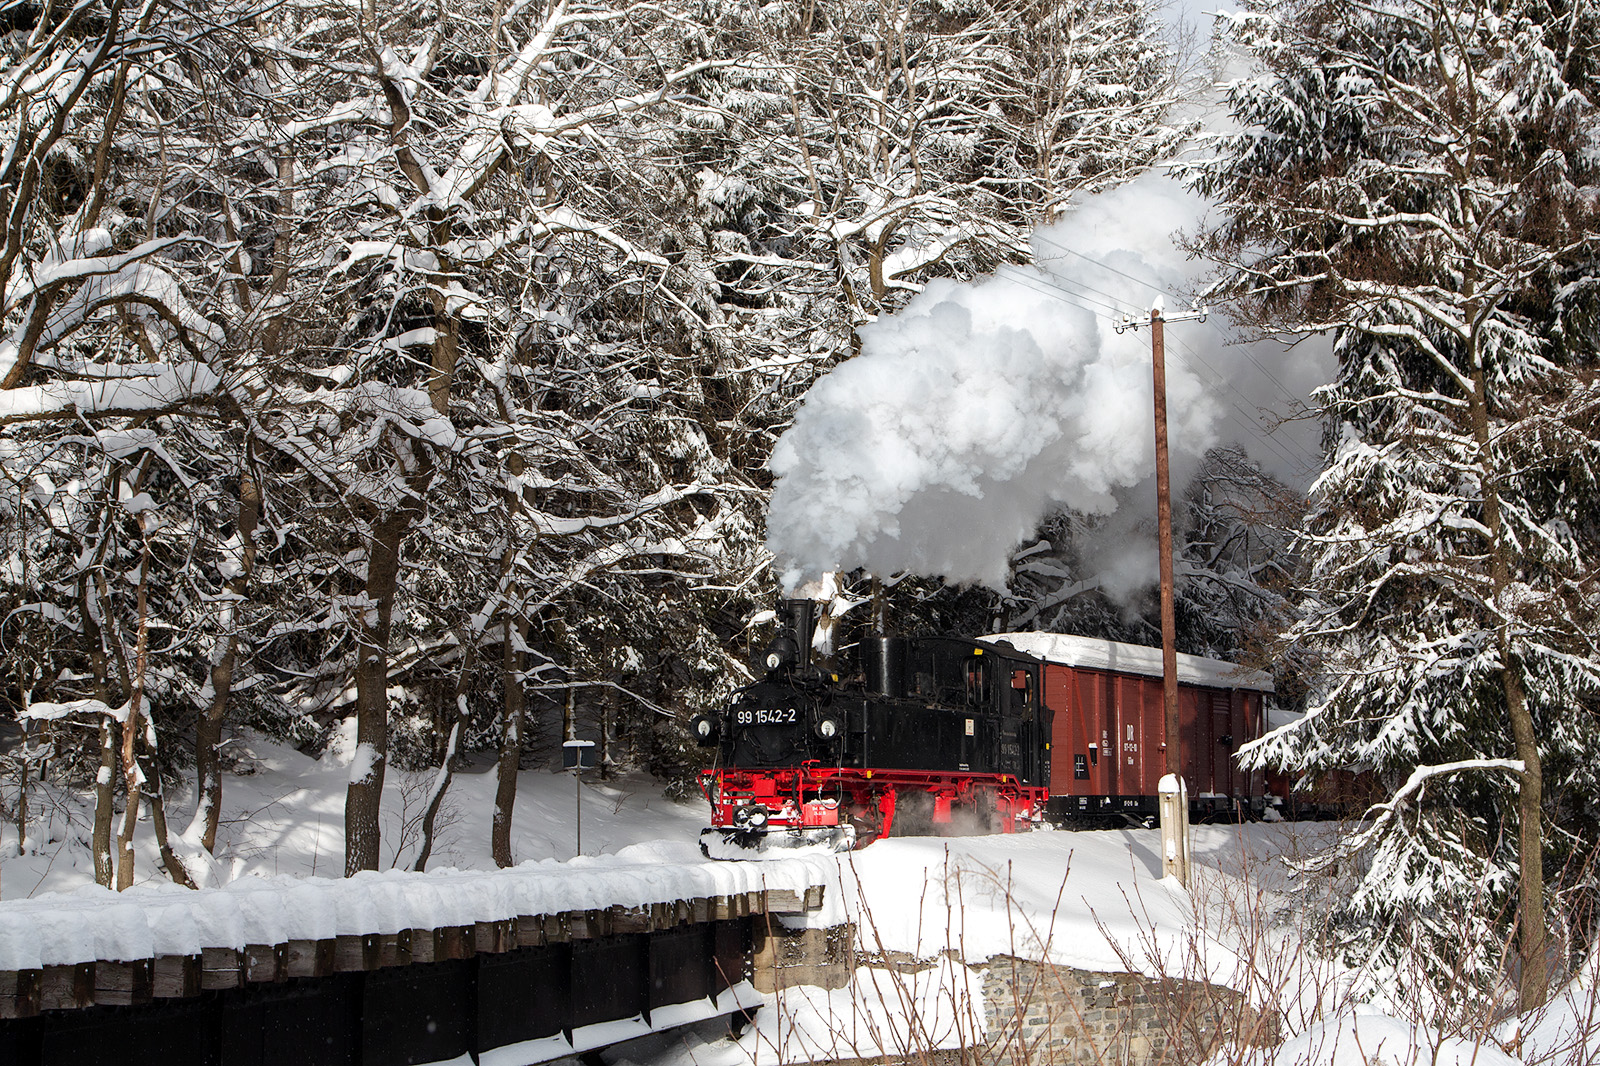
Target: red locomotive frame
point(864, 801)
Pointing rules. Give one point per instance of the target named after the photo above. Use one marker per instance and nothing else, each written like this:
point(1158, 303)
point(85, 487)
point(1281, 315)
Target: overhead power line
point(1146, 283)
point(1105, 266)
point(1066, 290)
point(1046, 287)
point(1288, 450)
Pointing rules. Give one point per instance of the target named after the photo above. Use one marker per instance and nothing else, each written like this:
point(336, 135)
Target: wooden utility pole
point(1174, 796)
point(1169, 618)
point(1174, 807)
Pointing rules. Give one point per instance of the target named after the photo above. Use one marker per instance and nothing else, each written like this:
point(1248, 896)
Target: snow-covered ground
point(1094, 901)
point(287, 817)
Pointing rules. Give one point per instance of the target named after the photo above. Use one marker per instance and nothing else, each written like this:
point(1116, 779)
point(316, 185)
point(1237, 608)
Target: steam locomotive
point(951, 735)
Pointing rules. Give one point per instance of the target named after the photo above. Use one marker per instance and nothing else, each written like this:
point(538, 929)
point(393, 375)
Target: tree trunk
point(1533, 935)
point(105, 775)
point(513, 663)
point(22, 796)
point(131, 773)
point(446, 350)
point(880, 287)
point(609, 703)
point(272, 332)
point(364, 795)
point(104, 795)
point(158, 820)
point(441, 783)
point(131, 797)
point(208, 731)
point(1532, 940)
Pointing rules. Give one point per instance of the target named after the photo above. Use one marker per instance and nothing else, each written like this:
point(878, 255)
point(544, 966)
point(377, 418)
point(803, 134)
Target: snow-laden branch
point(82, 260)
point(164, 387)
point(44, 711)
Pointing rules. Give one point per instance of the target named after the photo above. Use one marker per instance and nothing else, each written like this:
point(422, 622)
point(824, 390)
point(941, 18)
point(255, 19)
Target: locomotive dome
point(1090, 653)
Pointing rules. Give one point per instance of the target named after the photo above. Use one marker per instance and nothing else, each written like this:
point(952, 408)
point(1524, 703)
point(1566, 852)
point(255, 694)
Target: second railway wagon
point(1108, 747)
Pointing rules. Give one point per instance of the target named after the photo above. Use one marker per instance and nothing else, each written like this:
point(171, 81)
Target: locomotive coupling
point(751, 815)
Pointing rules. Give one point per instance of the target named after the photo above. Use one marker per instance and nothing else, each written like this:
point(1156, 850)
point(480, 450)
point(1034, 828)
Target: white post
point(577, 756)
point(1175, 828)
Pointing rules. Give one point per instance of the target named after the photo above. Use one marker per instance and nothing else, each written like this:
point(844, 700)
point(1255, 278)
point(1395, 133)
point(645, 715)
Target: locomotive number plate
point(766, 716)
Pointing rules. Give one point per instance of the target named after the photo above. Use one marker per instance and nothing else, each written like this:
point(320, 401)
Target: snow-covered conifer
point(1415, 176)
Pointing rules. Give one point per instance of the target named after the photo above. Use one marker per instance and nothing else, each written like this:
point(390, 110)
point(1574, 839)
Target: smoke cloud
point(981, 408)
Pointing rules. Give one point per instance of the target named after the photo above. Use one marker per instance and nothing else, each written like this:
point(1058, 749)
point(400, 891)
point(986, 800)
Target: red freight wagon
point(1108, 750)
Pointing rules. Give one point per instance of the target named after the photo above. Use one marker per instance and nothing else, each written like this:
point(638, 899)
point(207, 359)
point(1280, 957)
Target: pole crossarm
point(1129, 322)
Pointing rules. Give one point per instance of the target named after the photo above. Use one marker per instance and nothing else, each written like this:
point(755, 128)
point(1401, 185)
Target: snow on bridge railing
point(94, 946)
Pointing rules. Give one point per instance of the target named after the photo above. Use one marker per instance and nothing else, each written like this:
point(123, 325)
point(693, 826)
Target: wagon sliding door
point(1140, 730)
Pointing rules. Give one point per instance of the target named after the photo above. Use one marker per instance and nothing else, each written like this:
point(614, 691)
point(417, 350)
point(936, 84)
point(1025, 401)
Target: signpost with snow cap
point(577, 756)
point(1174, 828)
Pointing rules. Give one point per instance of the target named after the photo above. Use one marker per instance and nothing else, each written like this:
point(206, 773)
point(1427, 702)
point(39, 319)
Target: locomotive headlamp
point(774, 660)
point(704, 729)
point(828, 728)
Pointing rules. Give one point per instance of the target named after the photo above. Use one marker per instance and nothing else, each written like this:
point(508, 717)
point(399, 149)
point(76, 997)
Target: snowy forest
point(420, 366)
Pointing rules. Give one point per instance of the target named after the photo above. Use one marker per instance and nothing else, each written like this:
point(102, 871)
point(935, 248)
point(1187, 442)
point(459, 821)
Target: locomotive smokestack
point(801, 616)
point(790, 650)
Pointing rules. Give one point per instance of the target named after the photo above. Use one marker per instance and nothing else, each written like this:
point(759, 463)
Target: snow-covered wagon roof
point(1093, 654)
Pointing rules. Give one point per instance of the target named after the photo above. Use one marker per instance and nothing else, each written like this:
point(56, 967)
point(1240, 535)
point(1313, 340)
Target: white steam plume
point(981, 408)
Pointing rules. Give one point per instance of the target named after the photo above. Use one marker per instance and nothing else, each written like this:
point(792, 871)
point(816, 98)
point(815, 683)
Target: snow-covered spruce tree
point(1236, 557)
point(1417, 177)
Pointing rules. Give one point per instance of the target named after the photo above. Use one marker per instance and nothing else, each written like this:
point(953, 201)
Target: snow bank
point(1566, 1025)
point(900, 1016)
point(1092, 901)
point(149, 920)
point(1369, 1039)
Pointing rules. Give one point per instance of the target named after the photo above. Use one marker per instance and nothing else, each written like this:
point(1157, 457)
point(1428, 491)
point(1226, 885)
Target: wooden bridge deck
point(504, 990)
point(26, 993)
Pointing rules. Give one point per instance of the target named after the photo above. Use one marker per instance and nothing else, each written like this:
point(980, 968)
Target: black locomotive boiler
point(934, 734)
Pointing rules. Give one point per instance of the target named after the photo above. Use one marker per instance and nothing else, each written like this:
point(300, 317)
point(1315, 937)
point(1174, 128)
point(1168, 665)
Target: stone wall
point(1037, 1013)
point(1042, 1015)
point(782, 957)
